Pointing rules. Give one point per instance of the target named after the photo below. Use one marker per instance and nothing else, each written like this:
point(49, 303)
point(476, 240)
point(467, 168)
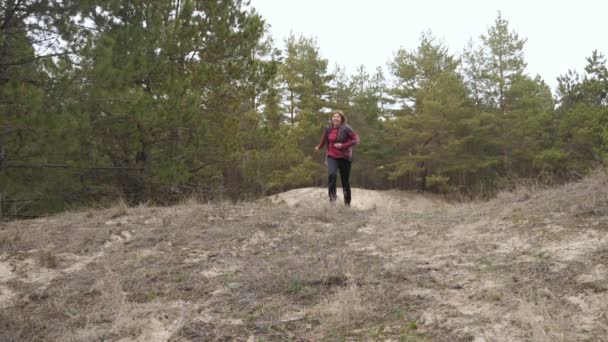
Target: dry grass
point(121, 208)
point(344, 309)
point(48, 259)
point(525, 266)
point(594, 205)
point(545, 323)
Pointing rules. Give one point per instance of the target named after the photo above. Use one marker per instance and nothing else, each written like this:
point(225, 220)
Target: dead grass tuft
point(89, 333)
point(344, 309)
point(121, 208)
point(547, 320)
point(47, 259)
point(600, 255)
point(325, 214)
point(596, 204)
point(4, 240)
point(521, 193)
point(547, 278)
point(10, 239)
point(335, 269)
point(588, 195)
point(192, 201)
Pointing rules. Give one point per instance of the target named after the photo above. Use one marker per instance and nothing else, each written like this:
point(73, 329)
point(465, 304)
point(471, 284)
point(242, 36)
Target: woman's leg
point(332, 168)
point(344, 165)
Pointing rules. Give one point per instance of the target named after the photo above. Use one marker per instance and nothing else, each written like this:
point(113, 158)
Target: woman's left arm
point(353, 139)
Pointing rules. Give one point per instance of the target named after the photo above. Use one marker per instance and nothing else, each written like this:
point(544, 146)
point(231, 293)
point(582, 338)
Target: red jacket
point(343, 134)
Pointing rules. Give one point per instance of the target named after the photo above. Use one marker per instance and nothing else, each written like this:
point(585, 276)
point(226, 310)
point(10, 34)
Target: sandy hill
point(529, 265)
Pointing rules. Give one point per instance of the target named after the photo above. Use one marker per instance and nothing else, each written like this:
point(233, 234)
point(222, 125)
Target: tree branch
point(33, 59)
point(64, 166)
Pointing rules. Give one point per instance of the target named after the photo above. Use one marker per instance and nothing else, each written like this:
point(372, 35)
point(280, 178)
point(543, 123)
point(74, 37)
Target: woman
point(339, 138)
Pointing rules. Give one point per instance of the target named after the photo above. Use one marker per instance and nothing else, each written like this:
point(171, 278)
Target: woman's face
point(336, 119)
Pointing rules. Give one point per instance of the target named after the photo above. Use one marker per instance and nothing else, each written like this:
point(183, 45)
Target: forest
point(159, 101)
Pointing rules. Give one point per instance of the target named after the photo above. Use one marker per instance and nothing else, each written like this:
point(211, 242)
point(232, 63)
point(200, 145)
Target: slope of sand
point(362, 199)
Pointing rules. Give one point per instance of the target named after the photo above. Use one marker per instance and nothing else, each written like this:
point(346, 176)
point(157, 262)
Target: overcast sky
point(560, 34)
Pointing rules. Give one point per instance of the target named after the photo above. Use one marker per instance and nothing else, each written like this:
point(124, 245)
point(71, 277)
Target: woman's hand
point(338, 145)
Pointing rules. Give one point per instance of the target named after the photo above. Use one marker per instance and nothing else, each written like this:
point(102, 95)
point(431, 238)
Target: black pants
point(343, 165)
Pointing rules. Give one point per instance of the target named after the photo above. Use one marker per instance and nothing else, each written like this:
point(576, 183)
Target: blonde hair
point(339, 112)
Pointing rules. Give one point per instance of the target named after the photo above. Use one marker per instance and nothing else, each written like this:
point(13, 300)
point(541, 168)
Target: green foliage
point(417, 71)
point(304, 77)
point(526, 126)
point(581, 119)
point(551, 162)
point(590, 89)
point(299, 175)
point(438, 183)
point(493, 67)
point(158, 100)
point(434, 139)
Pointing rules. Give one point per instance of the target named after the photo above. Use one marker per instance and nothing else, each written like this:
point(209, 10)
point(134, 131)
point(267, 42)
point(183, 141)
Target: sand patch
point(575, 247)
point(362, 199)
point(6, 274)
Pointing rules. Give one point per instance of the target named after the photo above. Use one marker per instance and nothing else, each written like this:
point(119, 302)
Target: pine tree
point(35, 139)
point(305, 78)
point(435, 115)
point(417, 71)
point(582, 129)
point(305, 90)
point(493, 67)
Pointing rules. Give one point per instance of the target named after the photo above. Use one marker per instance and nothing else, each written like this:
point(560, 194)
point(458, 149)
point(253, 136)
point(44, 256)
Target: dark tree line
point(159, 100)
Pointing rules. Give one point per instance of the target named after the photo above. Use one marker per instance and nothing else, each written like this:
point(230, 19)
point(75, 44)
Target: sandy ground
point(362, 199)
point(527, 266)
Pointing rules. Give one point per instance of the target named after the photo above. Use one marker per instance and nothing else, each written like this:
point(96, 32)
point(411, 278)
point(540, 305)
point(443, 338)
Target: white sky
point(561, 34)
